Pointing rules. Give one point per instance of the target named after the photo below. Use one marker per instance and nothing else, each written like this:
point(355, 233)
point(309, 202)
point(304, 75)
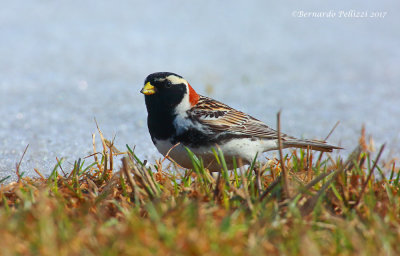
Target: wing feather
point(222, 118)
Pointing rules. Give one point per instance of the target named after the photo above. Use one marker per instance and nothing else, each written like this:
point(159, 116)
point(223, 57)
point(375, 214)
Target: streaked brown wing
point(220, 117)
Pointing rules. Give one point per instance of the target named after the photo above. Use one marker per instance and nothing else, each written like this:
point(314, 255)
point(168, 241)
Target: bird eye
point(168, 84)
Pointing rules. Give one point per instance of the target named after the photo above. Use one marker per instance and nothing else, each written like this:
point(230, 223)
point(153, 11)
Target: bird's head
point(169, 90)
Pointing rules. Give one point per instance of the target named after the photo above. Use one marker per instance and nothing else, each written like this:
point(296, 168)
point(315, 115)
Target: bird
point(180, 118)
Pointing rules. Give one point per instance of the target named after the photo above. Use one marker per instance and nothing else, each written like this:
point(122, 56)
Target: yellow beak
point(148, 89)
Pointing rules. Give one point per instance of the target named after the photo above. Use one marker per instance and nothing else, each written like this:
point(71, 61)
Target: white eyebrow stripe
point(176, 80)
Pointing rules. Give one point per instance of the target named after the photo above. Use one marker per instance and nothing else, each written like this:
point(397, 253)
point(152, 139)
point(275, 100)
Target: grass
point(323, 206)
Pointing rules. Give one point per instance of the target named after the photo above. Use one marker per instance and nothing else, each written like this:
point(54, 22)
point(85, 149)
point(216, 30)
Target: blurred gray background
point(64, 64)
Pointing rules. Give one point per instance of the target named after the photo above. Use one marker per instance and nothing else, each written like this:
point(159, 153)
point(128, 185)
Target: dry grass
point(331, 206)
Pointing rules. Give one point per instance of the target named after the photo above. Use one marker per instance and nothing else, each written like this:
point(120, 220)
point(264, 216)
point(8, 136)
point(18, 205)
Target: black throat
point(161, 108)
point(160, 118)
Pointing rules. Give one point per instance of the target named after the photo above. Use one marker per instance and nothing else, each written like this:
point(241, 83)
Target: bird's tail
point(311, 144)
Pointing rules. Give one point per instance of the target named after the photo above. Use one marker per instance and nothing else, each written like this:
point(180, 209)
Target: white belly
point(244, 148)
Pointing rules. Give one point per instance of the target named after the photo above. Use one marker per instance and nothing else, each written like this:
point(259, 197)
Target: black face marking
point(161, 105)
point(167, 95)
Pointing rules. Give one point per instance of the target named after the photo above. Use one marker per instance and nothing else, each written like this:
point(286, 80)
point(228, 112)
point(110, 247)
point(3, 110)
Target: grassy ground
point(312, 206)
